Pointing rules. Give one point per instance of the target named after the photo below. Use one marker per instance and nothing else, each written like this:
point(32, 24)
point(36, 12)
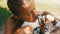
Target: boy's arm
point(9, 26)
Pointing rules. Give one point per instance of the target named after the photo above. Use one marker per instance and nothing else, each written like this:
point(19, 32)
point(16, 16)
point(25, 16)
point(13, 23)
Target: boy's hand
point(24, 30)
point(46, 16)
point(50, 18)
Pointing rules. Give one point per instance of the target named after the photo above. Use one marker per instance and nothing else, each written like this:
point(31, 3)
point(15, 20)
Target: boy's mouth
point(36, 17)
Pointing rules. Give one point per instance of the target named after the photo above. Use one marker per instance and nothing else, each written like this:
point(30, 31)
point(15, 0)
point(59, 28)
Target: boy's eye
point(29, 14)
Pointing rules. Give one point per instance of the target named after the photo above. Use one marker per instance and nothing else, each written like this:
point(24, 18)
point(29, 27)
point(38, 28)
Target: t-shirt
point(34, 25)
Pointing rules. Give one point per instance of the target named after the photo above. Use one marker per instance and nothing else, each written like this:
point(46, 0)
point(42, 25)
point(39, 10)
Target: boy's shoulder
point(10, 20)
point(14, 19)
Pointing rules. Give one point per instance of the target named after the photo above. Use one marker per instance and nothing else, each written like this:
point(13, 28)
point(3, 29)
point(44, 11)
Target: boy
point(24, 18)
point(23, 10)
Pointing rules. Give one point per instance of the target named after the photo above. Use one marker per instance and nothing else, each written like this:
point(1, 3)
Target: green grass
point(4, 13)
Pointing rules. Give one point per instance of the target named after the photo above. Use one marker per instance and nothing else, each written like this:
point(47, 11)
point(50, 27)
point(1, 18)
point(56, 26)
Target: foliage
point(4, 13)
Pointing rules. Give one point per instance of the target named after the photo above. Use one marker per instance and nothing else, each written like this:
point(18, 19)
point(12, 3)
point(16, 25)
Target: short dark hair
point(12, 5)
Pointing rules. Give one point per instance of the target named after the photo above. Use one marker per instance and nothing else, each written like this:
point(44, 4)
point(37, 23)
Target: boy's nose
point(34, 13)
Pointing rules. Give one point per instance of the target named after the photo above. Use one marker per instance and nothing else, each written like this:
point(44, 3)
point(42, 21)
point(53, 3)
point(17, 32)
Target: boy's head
point(19, 6)
point(23, 8)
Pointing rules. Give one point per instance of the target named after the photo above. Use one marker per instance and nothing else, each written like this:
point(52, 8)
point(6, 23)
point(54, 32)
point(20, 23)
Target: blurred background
point(53, 6)
point(4, 13)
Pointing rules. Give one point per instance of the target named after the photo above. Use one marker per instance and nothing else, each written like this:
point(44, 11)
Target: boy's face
point(27, 12)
